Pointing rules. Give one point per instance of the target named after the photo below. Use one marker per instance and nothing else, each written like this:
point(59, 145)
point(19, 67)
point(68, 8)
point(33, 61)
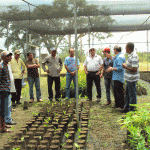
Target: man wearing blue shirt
point(71, 72)
point(118, 77)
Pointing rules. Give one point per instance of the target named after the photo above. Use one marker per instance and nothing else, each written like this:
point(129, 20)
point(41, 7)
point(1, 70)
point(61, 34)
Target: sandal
point(31, 101)
point(6, 131)
point(40, 100)
point(8, 126)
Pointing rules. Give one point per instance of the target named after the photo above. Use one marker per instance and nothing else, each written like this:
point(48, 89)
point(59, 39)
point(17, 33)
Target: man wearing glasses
point(92, 67)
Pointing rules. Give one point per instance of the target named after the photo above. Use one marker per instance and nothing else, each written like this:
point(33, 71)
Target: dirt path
point(104, 131)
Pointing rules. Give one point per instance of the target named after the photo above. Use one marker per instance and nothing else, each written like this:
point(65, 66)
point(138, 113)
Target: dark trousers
point(90, 78)
point(57, 86)
point(18, 86)
point(119, 94)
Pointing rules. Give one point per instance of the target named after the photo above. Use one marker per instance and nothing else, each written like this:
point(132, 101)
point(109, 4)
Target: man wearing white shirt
point(92, 67)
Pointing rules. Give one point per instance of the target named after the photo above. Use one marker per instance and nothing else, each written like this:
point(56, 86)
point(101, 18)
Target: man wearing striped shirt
point(131, 77)
point(5, 86)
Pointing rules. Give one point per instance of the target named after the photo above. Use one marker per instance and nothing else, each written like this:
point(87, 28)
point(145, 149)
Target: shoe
point(13, 104)
point(57, 99)
point(67, 99)
point(124, 111)
point(19, 103)
point(88, 99)
point(40, 100)
point(6, 131)
point(7, 126)
point(114, 106)
point(51, 99)
point(11, 123)
point(108, 103)
point(31, 101)
point(98, 100)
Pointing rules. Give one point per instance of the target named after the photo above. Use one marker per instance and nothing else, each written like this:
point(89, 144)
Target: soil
point(104, 131)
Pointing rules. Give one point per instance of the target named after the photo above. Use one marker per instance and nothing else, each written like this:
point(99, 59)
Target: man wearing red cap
point(107, 62)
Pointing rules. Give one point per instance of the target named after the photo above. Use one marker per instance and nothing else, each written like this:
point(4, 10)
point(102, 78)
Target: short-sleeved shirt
point(108, 63)
point(16, 68)
point(70, 62)
point(93, 64)
point(54, 65)
point(32, 72)
point(117, 63)
point(132, 61)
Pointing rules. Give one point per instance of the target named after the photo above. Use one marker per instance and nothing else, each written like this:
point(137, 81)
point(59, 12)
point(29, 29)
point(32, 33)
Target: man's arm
point(23, 66)
point(43, 65)
point(85, 69)
point(134, 69)
point(66, 67)
point(103, 70)
point(1, 73)
point(61, 64)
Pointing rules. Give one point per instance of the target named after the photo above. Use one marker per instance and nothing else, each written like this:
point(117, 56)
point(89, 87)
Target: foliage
point(81, 83)
point(19, 30)
point(137, 123)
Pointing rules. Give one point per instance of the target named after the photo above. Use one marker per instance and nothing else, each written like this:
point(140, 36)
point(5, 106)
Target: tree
point(18, 29)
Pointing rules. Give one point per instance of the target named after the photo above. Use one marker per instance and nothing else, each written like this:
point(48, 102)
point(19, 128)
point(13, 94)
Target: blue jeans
point(69, 78)
point(108, 83)
point(31, 81)
point(4, 98)
point(130, 95)
point(8, 118)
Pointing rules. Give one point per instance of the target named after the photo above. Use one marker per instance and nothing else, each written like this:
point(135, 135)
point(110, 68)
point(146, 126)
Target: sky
point(140, 36)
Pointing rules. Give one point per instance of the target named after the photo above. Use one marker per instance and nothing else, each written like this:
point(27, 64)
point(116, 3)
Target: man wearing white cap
point(16, 64)
point(5, 86)
point(54, 67)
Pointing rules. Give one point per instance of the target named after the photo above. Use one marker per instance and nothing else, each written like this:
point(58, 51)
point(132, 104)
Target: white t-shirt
point(12, 88)
point(93, 64)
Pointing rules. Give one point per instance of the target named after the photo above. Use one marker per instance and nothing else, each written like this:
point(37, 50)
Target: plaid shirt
point(5, 83)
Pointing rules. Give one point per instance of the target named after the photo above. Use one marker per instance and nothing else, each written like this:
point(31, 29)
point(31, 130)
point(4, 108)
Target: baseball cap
point(106, 49)
point(53, 49)
point(16, 52)
point(6, 53)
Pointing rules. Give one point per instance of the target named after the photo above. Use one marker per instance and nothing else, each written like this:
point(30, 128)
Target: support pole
point(147, 50)
point(75, 27)
point(7, 35)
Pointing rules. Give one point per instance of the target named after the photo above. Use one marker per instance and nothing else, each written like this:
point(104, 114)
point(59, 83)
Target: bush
point(137, 124)
point(81, 84)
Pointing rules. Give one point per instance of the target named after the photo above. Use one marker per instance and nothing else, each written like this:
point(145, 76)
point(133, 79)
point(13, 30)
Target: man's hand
point(97, 73)
point(59, 71)
point(124, 65)
point(47, 71)
point(109, 69)
point(108, 55)
point(101, 75)
point(72, 73)
point(86, 72)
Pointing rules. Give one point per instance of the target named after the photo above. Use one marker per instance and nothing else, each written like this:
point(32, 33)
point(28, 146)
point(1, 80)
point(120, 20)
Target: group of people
point(114, 70)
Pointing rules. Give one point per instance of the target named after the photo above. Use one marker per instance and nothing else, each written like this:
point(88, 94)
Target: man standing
point(16, 64)
point(71, 72)
point(5, 85)
point(54, 68)
point(131, 77)
point(8, 119)
point(118, 77)
point(33, 77)
point(107, 62)
point(92, 67)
